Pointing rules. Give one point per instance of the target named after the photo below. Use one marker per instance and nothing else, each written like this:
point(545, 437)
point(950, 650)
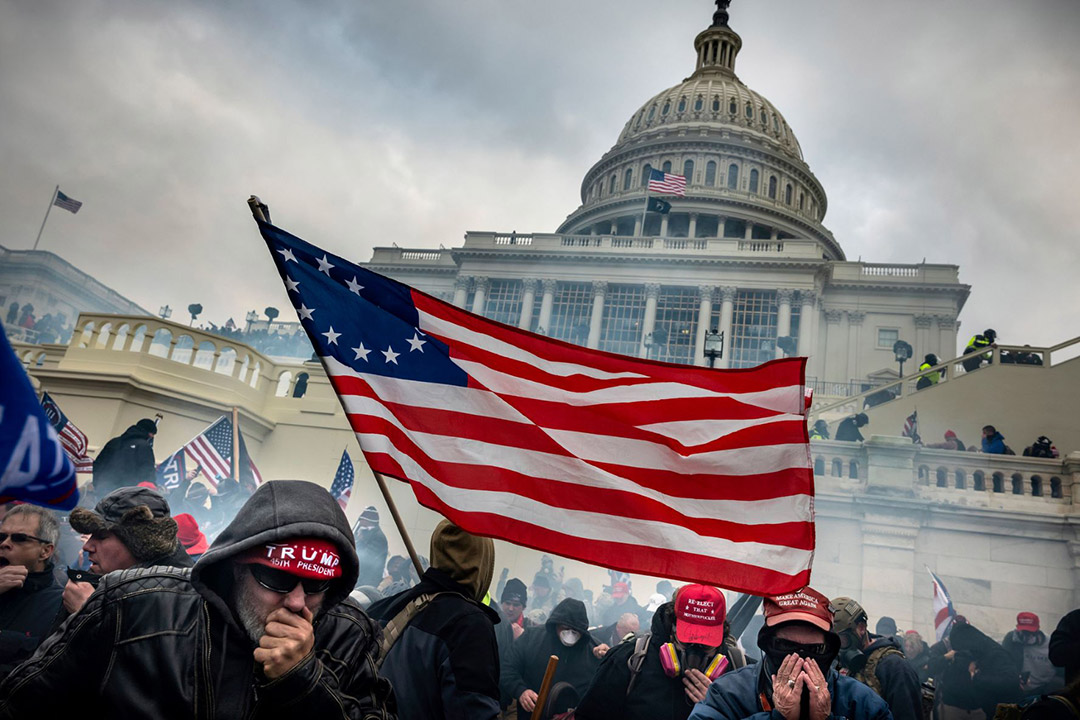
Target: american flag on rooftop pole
point(664, 183)
point(341, 489)
point(668, 470)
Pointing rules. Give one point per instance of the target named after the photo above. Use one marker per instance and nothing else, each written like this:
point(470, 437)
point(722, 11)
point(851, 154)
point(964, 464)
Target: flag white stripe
point(699, 432)
point(590, 526)
point(472, 338)
point(205, 453)
point(549, 466)
point(782, 399)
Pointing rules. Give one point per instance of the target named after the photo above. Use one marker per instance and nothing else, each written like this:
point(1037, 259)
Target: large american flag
point(666, 183)
point(341, 489)
point(212, 449)
point(72, 439)
point(656, 468)
point(70, 204)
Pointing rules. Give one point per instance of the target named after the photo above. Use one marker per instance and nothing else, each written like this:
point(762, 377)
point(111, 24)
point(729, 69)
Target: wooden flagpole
point(236, 444)
point(545, 688)
point(260, 211)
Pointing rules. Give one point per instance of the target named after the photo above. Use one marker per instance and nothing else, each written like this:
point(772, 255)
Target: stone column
point(835, 360)
point(727, 310)
point(749, 231)
point(922, 339)
point(599, 287)
point(528, 299)
point(889, 569)
point(481, 284)
point(783, 316)
point(807, 315)
point(543, 324)
point(947, 327)
point(638, 228)
point(855, 321)
point(461, 290)
point(663, 225)
point(648, 323)
point(692, 232)
point(704, 317)
point(614, 227)
point(775, 235)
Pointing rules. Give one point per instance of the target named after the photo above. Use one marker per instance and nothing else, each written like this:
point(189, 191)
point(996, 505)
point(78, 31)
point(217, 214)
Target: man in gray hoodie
point(262, 627)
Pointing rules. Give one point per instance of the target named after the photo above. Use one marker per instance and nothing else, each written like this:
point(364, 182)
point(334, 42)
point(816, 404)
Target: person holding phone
point(260, 627)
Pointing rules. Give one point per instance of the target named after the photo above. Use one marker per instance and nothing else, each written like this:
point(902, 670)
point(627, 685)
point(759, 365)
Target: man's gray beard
point(248, 615)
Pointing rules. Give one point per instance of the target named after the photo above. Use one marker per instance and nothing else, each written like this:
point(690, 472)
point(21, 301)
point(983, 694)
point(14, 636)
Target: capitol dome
point(745, 173)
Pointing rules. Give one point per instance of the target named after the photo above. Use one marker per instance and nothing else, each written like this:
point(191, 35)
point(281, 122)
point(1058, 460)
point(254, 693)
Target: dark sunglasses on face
point(282, 582)
point(787, 647)
point(20, 538)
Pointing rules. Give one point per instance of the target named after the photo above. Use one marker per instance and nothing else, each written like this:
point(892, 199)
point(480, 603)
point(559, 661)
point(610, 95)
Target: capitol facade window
point(887, 337)
point(754, 175)
point(624, 312)
point(628, 178)
point(688, 171)
point(645, 171)
point(503, 301)
point(570, 311)
point(710, 173)
point(676, 315)
point(772, 187)
point(733, 176)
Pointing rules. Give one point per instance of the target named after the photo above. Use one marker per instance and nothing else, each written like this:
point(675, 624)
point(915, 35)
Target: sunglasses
point(20, 538)
point(282, 582)
point(787, 647)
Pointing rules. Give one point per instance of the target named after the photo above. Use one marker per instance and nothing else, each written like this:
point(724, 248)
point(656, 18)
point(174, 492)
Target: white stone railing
point(973, 479)
point(656, 244)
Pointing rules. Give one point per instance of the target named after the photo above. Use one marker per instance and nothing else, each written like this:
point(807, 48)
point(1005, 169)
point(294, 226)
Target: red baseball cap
point(699, 615)
point(304, 557)
point(1027, 621)
point(806, 605)
point(620, 589)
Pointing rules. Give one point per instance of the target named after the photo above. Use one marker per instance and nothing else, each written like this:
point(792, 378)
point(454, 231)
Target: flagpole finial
point(259, 209)
point(720, 17)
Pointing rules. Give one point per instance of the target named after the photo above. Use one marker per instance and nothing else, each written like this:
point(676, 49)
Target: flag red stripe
point(570, 496)
point(617, 556)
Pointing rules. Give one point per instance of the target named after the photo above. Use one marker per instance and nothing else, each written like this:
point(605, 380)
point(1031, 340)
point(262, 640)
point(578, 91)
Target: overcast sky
point(941, 130)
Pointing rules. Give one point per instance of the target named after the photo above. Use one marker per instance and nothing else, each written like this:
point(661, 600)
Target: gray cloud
point(940, 130)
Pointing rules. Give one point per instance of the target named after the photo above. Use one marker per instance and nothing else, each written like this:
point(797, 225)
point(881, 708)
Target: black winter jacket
point(125, 460)
point(995, 681)
point(446, 663)
point(524, 668)
point(900, 686)
point(654, 696)
point(164, 643)
point(26, 615)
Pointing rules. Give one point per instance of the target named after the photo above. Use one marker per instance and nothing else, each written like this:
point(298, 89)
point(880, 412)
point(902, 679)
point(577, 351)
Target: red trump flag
point(669, 470)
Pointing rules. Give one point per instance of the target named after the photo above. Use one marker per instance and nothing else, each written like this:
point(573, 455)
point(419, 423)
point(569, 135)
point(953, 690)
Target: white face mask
point(569, 638)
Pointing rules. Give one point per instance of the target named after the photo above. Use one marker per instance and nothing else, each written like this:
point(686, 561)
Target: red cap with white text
point(303, 557)
point(699, 615)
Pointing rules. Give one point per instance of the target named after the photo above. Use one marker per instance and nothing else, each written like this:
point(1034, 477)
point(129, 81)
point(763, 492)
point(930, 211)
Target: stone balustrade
point(946, 477)
point(537, 242)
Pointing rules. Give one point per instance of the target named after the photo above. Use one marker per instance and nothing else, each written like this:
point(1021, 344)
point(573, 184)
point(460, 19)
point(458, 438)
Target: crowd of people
point(288, 608)
point(21, 322)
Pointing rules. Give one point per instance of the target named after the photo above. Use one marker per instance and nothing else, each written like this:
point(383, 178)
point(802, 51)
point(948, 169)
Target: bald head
point(628, 623)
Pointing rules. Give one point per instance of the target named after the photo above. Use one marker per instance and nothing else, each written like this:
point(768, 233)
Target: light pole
point(251, 317)
point(714, 346)
point(902, 351)
point(164, 312)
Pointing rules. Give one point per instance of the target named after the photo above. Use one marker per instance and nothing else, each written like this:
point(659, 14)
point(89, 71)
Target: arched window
point(754, 181)
point(853, 470)
point(749, 111)
point(688, 171)
point(121, 337)
point(40, 360)
point(733, 176)
point(819, 466)
point(764, 117)
point(611, 185)
point(837, 467)
point(226, 361)
point(255, 373)
point(182, 350)
point(667, 166)
point(283, 383)
point(1055, 487)
point(139, 339)
point(716, 103)
point(87, 332)
point(628, 178)
point(103, 336)
point(242, 375)
point(787, 194)
point(942, 477)
point(802, 201)
point(732, 107)
point(980, 480)
point(1036, 486)
point(301, 385)
point(652, 113)
point(959, 481)
point(775, 124)
point(645, 172)
point(699, 103)
point(204, 356)
point(682, 104)
point(667, 107)
point(999, 483)
point(1017, 484)
point(710, 173)
point(924, 474)
point(772, 187)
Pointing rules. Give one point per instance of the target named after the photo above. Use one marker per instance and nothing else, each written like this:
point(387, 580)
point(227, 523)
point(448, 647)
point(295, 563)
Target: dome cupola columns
point(717, 45)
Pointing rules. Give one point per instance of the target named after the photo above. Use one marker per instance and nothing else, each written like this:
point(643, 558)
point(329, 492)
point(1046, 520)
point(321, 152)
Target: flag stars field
point(416, 343)
point(304, 312)
point(291, 284)
point(324, 266)
point(354, 287)
point(391, 356)
point(287, 254)
point(331, 336)
point(361, 352)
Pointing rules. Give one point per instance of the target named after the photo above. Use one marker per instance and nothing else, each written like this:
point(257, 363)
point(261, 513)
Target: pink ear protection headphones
point(672, 662)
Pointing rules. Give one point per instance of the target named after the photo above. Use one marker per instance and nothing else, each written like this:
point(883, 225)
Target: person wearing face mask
point(565, 635)
point(660, 675)
point(876, 660)
point(794, 679)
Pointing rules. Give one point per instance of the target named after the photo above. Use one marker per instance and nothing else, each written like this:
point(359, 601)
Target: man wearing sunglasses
point(793, 679)
point(29, 593)
point(261, 627)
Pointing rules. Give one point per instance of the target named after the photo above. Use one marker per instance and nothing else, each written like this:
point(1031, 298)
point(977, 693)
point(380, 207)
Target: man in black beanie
point(126, 460)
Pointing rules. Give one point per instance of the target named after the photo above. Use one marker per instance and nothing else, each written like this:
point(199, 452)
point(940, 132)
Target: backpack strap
point(868, 675)
point(636, 661)
point(396, 627)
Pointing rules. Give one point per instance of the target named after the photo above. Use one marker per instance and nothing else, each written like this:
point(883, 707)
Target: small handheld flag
point(944, 612)
point(911, 428)
point(343, 480)
point(172, 471)
point(33, 464)
point(72, 438)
